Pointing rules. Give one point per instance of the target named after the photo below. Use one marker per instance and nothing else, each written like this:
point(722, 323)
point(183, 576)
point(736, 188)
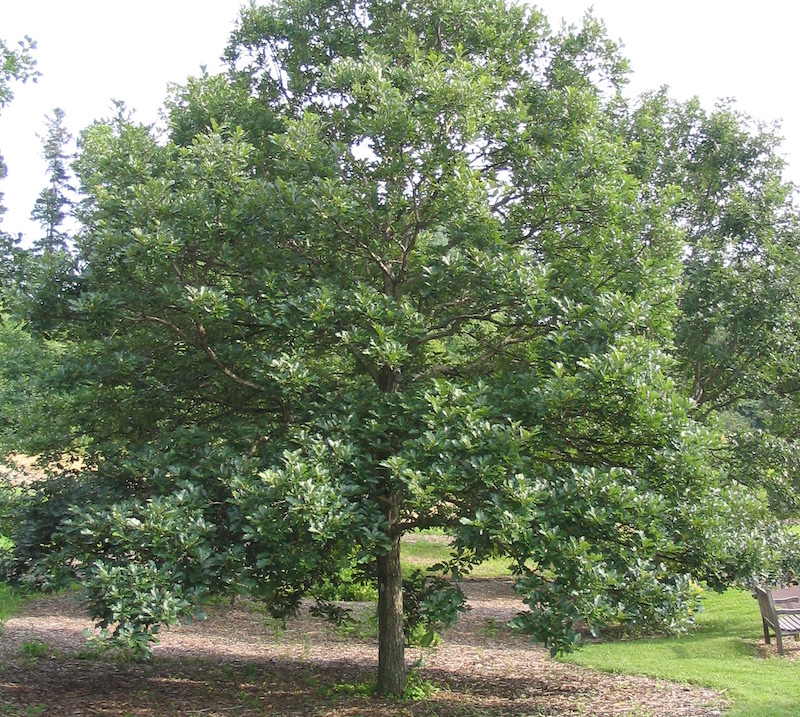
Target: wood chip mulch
point(240, 662)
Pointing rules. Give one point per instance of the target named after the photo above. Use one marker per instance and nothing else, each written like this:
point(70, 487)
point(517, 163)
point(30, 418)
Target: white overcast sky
point(90, 51)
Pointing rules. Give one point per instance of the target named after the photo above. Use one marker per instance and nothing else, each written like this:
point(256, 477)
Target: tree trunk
point(391, 647)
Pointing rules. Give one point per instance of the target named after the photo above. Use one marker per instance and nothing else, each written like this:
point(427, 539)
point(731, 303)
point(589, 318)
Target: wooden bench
point(782, 615)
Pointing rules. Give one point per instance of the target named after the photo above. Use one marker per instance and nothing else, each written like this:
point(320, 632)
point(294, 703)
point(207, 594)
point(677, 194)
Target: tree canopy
point(405, 265)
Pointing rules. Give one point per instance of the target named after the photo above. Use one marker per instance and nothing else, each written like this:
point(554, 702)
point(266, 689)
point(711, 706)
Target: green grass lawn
point(723, 653)
point(419, 553)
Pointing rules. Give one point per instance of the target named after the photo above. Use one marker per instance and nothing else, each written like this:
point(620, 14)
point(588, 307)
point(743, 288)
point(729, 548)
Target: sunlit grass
point(9, 601)
point(424, 550)
point(725, 653)
point(421, 550)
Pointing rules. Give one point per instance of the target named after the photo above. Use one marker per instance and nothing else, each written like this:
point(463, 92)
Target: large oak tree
point(399, 268)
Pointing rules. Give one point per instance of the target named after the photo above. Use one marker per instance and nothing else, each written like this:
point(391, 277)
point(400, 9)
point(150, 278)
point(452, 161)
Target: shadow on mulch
point(61, 687)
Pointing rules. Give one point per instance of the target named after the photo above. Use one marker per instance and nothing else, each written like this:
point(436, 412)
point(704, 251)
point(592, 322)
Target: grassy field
point(725, 653)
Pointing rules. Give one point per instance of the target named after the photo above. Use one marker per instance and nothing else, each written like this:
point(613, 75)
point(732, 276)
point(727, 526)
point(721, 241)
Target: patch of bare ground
point(240, 662)
point(18, 469)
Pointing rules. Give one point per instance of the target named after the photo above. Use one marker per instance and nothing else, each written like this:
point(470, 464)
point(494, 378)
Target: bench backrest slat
point(767, 605)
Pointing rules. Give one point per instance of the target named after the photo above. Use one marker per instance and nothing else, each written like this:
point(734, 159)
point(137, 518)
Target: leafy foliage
point(16, 64)
point(431, 604)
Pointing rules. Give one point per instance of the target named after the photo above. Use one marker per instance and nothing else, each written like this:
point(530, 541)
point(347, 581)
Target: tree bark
point(391, 645)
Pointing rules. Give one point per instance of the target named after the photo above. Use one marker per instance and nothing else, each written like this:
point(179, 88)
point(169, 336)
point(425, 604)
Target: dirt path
point(239, 662)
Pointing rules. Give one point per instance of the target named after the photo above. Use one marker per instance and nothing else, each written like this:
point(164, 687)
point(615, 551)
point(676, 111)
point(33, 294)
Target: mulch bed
point(240, 662)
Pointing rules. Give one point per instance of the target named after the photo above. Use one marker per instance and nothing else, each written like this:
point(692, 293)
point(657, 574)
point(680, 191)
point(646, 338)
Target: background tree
point(739, 297)
point(53, 205)
point(16, 65)
point(394, 271)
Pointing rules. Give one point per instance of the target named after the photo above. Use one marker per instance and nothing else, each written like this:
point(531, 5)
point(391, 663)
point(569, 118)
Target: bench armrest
point(782, 601)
